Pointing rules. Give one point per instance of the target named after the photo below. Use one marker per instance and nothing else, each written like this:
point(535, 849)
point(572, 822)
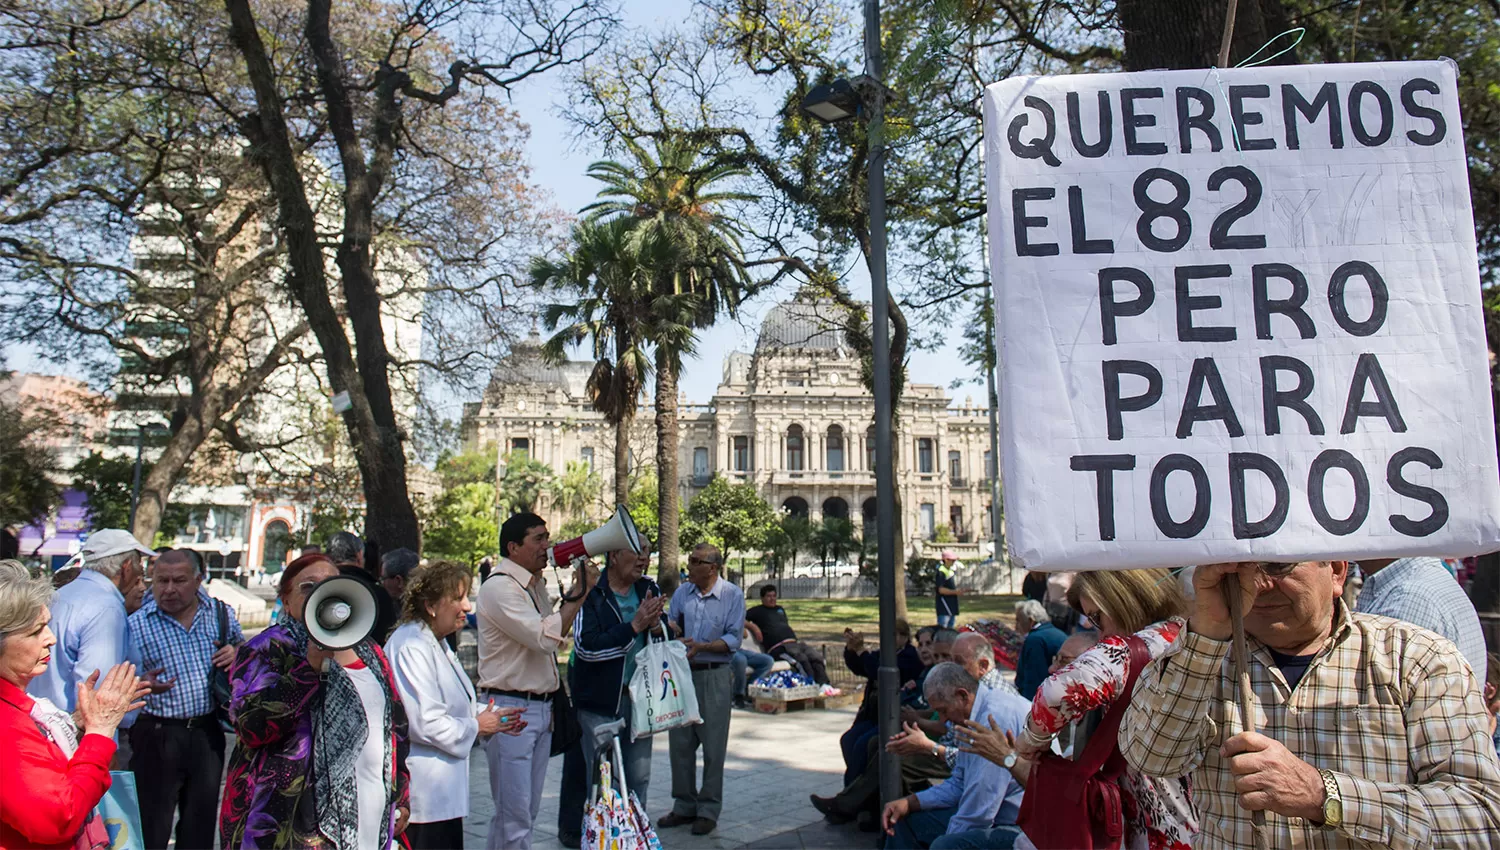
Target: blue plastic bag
point(121, 811)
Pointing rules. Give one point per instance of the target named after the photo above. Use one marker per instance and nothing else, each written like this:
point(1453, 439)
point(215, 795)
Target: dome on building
point(525, 366)
point(802, 325)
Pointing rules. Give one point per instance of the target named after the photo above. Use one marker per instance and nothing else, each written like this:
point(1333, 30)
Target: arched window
point(700, 465)
point(835, 442)
point(278, 539)
point(795, 460)
point(795, 506)
point(870, 448)
point(956, 468)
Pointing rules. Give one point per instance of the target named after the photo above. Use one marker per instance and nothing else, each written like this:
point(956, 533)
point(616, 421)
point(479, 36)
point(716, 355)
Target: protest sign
point(1239, 317)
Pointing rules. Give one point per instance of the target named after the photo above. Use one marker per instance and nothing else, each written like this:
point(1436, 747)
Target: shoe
point(703, 826)
point(828, 808)
point(570, 840)
point(831, 691)
point(743, 702)
point(671, 819)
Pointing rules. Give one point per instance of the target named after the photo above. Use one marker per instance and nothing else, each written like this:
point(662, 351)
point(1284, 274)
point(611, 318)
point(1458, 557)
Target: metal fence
point(988, 579)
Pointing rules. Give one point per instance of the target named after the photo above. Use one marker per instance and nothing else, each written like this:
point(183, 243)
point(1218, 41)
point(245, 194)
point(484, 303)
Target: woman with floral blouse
point(1159, 813)
point(321, 758)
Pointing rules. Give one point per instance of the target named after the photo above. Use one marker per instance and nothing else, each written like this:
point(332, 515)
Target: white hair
point(21, 602)
point(1033, 610)
point(945, 681)
point(109, 566)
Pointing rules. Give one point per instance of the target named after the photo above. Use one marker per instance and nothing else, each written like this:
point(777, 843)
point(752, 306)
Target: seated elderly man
point(1042, 641)
point(1372, 730)
point(979, 794)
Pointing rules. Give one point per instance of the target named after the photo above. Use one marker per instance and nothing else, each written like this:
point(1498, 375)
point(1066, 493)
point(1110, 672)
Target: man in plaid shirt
point(178, 745)
point(1372, 732)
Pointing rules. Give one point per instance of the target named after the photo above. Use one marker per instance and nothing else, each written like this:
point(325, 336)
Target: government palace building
point(792, 418)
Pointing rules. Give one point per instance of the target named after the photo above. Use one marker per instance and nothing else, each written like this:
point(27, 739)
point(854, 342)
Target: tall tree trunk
point(370, 419)
point(669, 566)
point(156, 486)
point(622, 458)
point(1187, 33)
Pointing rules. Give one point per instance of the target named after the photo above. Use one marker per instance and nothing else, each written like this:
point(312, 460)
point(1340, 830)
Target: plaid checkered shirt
point(185, 654)
point(1389, 708)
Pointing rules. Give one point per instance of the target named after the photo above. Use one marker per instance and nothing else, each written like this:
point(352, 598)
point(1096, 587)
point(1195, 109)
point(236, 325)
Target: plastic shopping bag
point(661, 692)
point(121, 810)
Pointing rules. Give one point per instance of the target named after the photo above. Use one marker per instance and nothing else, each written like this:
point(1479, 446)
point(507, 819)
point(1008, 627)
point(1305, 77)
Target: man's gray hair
point(344, 547)
point(21, 602)
point(717, 557)
point(945, 681)
point(1034, 611)
point(109, 566)
point(970, 647)
point(398, 563)
point(945, 636)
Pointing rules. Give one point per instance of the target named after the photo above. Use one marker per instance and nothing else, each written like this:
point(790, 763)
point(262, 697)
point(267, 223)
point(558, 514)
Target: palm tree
point(673, 198)
point(576, 491)
point(834, 538)
point(609, 288)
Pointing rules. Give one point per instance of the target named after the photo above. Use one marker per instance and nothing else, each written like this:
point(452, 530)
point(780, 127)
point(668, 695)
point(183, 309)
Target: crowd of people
point(1375, 722)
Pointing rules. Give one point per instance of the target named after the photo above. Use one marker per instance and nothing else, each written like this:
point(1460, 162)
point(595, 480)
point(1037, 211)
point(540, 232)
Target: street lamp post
point(838, 101)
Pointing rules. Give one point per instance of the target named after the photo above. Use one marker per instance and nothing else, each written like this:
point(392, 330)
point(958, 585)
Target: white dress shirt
point(440, 707)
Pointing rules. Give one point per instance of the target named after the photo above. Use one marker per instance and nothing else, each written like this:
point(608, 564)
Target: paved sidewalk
point(774, 763)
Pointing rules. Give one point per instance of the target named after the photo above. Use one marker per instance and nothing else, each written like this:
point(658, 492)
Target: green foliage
point(923, 574)
point(467, 468)
point(106, 480)
point(26, 490)
point(732, 517)
point(576, 492)
point(522, 482)
point(462, 524)
point(835, 540)
point(574, 528)
point(943, 534)
point(642, 503)
point(790, 537)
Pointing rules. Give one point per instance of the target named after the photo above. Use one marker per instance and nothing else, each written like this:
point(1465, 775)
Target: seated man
point(747, 665)
point(979, 794)
point(1042, 640)
point(867, 664)
point(1372, 731)
point(767, 623)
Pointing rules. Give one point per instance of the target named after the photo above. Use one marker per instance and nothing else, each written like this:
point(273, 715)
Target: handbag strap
point(223, 622)
point(1101, 744)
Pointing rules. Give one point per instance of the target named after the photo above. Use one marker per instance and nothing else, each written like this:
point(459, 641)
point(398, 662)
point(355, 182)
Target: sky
point(559, 158)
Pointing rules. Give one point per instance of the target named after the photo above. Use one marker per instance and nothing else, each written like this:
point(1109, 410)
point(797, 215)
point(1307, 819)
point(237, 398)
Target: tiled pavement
point(774, 763)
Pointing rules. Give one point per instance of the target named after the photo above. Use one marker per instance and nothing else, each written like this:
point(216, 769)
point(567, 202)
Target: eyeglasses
point(702, 562)
point(306, 587)
point(1275, 569)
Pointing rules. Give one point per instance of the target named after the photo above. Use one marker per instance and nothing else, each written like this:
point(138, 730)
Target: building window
point(870, 448)
point(586, 454)
point(700, 464)
point(956, 520)
point(741, 454)
point(955, 466)
point(794, 446)
point(835, 449)
point(989, 466)
point(924, 455)
point(520, 444)
point(929, 520)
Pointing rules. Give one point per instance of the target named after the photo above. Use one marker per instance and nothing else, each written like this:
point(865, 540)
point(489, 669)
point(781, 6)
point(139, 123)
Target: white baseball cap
point(111, 541)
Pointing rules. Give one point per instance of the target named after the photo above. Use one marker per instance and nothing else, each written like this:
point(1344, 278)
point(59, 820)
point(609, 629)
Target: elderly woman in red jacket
point(52, 777)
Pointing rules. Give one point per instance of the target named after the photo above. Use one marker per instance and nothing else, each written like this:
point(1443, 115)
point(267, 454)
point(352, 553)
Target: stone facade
point(791, 417)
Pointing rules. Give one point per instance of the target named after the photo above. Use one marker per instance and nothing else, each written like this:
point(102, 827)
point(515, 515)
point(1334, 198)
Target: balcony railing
point(958, 482)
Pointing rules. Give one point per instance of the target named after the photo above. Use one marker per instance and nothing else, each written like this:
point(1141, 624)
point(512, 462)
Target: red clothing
point(45, 798)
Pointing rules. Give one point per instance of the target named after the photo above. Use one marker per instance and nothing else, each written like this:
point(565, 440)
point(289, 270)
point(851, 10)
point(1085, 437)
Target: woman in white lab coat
point(440, 704)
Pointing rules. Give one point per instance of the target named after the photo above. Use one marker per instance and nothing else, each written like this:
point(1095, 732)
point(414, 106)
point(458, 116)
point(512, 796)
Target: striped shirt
point(1389, 708)
point(1422, 591)
point(185, 654)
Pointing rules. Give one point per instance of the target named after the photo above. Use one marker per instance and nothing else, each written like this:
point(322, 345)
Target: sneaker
point(671, 819)
point(830, 691)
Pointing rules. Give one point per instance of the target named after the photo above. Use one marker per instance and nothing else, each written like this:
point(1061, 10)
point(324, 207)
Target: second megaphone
point(340, 612)
point(613, 536)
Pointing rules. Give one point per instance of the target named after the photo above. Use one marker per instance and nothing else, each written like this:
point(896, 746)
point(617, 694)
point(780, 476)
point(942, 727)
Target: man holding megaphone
point(519, 635)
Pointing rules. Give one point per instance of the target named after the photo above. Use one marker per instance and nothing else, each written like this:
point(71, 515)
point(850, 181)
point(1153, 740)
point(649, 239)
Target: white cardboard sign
point(1239, 317)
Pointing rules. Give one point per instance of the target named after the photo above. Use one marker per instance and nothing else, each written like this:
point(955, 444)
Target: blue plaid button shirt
point(186, 654)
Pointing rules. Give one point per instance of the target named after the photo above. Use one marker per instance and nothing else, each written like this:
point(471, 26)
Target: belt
point(202, 721)
point(709, 665)
point(526, 695)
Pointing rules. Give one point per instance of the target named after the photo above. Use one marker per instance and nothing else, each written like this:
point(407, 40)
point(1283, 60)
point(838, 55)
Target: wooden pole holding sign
point(1241, 651)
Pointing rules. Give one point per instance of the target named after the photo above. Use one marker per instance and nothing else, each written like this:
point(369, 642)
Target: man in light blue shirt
point(1421, 591)
point(979, 794)
point(709, 615)
point(88, 616)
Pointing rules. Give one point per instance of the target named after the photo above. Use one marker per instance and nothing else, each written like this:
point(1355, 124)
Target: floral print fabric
point(1159, 813)
point(269, 795)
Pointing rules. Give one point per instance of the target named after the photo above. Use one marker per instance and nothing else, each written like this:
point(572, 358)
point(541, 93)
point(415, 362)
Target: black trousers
point(573, 795)
point(810, 657)
point(177, 769)
point(437, 835)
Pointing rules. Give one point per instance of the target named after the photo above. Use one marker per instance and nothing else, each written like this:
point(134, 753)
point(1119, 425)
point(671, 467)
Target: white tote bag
point(661, 692)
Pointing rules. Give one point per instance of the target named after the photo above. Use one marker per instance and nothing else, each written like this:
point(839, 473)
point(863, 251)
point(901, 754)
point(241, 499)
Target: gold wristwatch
point(1333, 804)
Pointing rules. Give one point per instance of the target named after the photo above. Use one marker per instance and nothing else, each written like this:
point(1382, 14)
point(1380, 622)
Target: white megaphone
point(617, 534)
point(340, 612)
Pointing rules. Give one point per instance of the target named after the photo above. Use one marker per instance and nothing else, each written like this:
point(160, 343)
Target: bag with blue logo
point(121, 810)
point(661, 692)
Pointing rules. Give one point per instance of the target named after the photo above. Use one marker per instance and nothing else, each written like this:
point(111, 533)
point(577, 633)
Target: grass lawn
point(826, 619)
